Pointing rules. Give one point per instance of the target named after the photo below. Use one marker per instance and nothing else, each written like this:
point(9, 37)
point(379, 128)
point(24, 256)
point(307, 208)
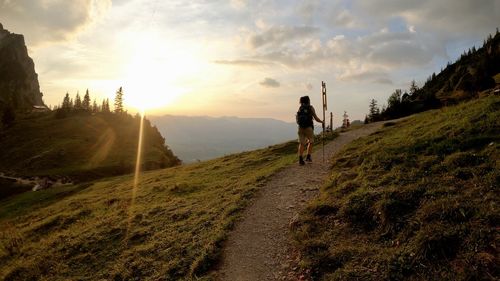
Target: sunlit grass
point(415, 201)
point(179, 219)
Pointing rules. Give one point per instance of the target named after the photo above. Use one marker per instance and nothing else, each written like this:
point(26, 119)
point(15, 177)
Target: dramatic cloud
point(444, 16)
point(278, 35)
point(269, 83)
point(49, 21)
point(212, 49)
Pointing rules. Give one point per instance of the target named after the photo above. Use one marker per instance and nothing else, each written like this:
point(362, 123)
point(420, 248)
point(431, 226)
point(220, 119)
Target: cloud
point(383, 80)
point(243, 62)
point(269, 83)
point(345, 19)
point(50, 21)
point(309, 86)
point(278, 35)
point(307, 9)
point(445, 16)
point(366, 74)
point(238, 4)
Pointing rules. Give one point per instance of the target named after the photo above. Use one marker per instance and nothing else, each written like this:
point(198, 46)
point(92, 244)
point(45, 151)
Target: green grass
point(82, 146)
point(417, 200)
point(180, 217)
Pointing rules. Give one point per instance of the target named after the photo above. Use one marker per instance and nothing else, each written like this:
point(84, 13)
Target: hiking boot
point(301, 161)
point(308, 158)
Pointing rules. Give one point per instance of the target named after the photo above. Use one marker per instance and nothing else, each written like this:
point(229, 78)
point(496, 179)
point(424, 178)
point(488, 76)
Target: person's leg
point(301, 152)
point(302, 140)
point(301, 149)
point(309, 148)
point(310, 136)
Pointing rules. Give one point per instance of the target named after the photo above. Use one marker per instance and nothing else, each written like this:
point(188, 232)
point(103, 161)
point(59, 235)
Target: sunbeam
point(136, 174)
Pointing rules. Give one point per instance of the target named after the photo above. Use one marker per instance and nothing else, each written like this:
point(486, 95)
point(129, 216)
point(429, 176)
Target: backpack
point(304, 116)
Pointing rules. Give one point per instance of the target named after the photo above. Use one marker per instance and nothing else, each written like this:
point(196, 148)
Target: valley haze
point(194, 138)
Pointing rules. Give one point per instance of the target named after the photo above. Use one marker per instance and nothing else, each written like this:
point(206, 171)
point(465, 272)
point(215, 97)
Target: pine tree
point(413, 87)
point(119, 101)
point(374, 110)
point(105, 106)
point(95, 107)
point(66, 104)
point(86, 101)
point(78, 102)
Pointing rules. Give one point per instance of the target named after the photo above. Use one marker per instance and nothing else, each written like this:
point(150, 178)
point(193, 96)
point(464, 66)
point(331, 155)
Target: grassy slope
point(415, 201)
point(178, 221)
point(80, 145)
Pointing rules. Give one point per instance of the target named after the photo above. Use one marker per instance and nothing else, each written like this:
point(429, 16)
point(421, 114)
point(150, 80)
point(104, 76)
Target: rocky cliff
point(18, 80)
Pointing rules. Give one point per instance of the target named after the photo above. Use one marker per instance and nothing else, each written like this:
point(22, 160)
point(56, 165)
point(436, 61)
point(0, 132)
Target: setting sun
point(152, 75)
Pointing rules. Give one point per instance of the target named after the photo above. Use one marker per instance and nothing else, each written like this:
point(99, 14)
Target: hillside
point(173, 231)
point(476, 73)
point(80, 146)
point(415, 201)
point(203, 138)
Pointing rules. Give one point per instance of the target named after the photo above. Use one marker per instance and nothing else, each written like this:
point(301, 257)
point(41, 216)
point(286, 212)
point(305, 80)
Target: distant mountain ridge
point(203, 137)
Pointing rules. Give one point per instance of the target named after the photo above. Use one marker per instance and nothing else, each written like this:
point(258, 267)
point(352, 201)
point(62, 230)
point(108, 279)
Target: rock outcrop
point(19, 86)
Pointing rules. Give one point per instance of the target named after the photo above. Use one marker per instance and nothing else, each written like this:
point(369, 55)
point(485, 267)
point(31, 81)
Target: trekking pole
point(323, 96)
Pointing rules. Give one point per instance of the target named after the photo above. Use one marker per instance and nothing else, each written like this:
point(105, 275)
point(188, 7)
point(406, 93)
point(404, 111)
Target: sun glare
point(151, 79)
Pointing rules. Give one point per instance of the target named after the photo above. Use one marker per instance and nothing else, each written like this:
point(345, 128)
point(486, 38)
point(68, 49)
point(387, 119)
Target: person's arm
point(315, 116)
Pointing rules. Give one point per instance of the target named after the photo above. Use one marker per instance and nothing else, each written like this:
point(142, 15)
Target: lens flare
point(137, 171)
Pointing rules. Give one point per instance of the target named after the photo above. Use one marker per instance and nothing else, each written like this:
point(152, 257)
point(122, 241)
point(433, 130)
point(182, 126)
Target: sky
point(240, 57)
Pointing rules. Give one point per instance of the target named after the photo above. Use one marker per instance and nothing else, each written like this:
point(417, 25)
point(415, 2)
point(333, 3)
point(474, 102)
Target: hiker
point(304, 118)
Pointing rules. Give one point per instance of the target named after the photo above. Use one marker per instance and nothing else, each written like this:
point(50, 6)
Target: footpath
point(259, 247)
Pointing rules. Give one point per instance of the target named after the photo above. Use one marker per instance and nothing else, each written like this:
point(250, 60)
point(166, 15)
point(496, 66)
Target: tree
point(95, 107)
point(119, 101)
point(66, 104)
point(78, 102)
point(105, 106)
point(86, 101)
point(394, 99)
point(413, 87)
point(374, 111)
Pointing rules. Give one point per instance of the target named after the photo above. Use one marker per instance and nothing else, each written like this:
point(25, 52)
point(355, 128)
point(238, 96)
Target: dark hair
point(305, 100)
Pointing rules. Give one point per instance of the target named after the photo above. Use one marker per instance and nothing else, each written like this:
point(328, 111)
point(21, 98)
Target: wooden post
point(331, 121)
point(323, 97)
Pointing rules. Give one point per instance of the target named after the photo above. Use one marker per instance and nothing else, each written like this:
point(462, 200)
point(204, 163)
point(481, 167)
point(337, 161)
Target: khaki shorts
point(306, 135)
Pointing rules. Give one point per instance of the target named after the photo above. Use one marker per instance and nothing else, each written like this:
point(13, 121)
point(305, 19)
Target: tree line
point(79, 104)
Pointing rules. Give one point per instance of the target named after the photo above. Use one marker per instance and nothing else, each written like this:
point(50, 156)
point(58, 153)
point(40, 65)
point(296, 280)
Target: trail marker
point(323, 97)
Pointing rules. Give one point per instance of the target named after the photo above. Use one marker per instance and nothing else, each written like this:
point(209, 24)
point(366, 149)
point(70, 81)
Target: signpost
point(323, 96)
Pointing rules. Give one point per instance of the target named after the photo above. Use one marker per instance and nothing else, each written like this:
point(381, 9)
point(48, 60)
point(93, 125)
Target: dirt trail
point(259, 247)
